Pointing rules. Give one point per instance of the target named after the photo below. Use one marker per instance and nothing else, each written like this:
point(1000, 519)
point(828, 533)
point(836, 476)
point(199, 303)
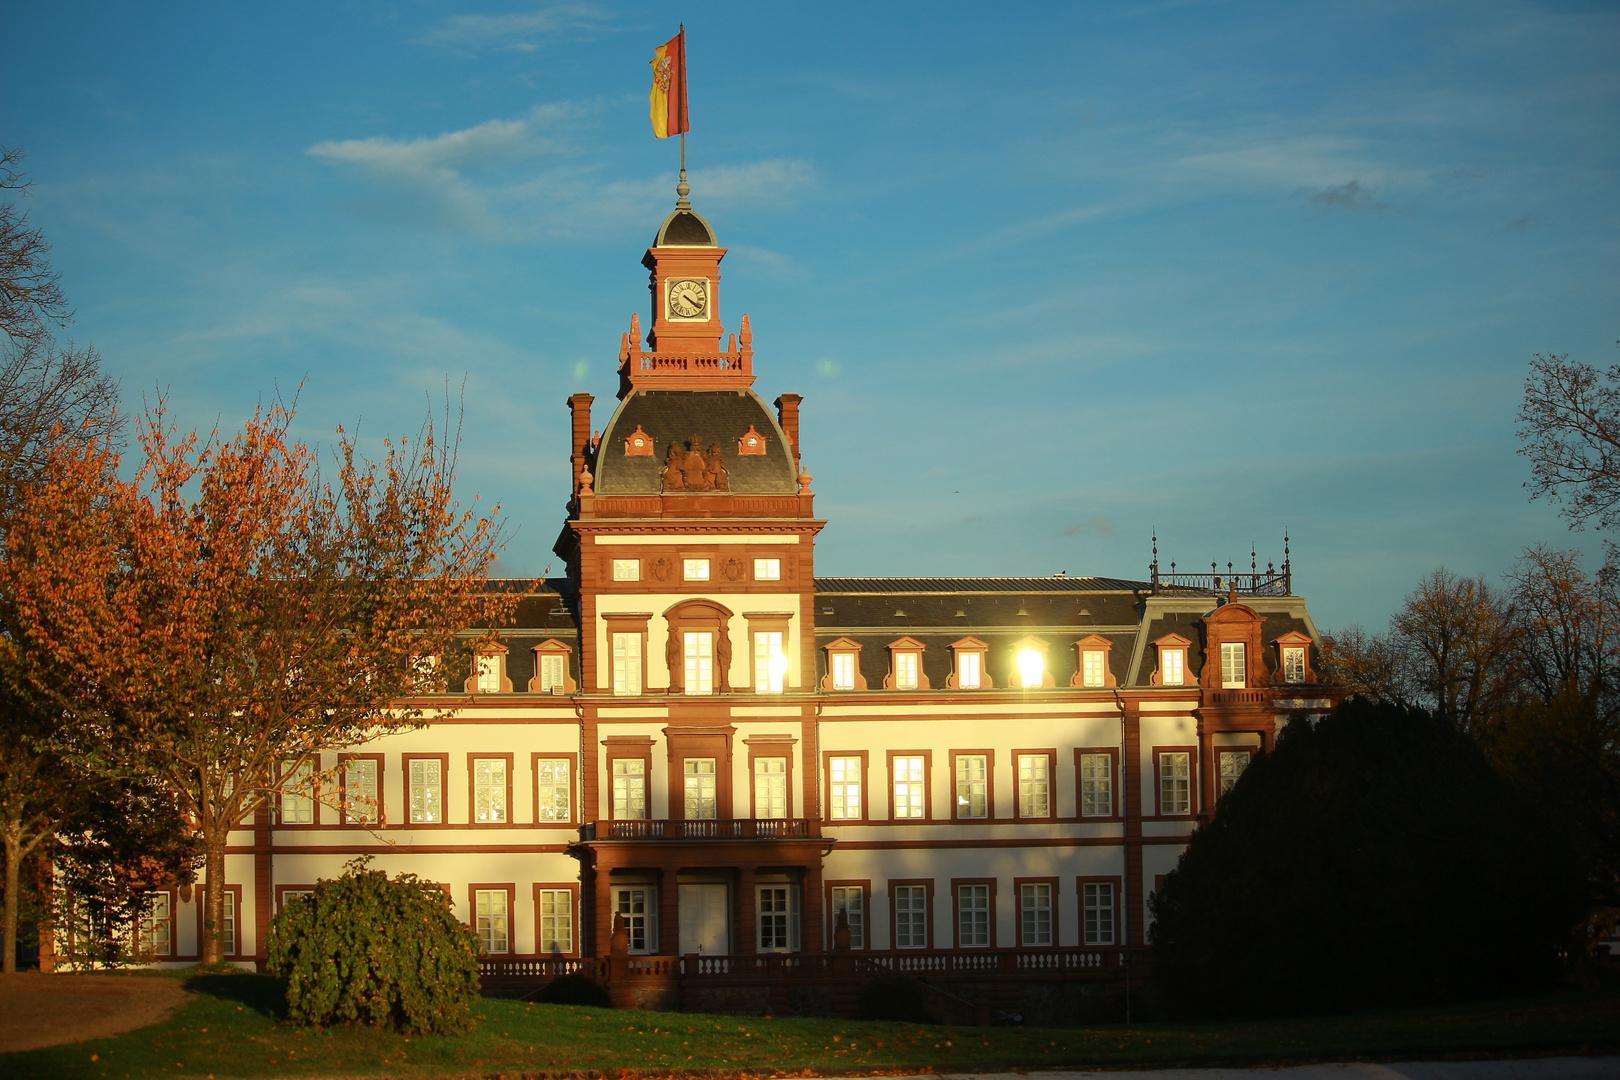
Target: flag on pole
point(669, 87)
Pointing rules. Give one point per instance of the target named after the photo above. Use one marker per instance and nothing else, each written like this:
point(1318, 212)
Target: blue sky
point(1049, 276)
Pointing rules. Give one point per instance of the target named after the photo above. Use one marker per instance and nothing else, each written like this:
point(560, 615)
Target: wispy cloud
point(516, 32)
point(1347, 196)
point(1099, 526)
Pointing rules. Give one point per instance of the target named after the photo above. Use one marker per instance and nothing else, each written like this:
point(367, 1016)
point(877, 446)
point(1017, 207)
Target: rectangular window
point(553, 673)
point(1034, 786)
point(1097, 913)
point(556, 921)
point(291, 896)
point(844, 796)
point(627, 663)
point(629, 789)
point(702, 801)
point(626, 569)
point(1173, 666)
point(1175, 783)
point(1092, 667)
point(699, 663)
point(777, 918)
point(1293, 663)
point(969, 667)
point(1233, 762)
point(905, 671)
point(554, 798)
point(851, 900)
point(908, 787)
point(770, 787)
point(1035, 914)
point(695, 569)
point(1096, 785)
point(298, 794)
point(911, 916)
point(227, 923)
point(767, 569)
point(491, 921)
point(427, 791)
point(1234, 669)
point(154, 932)
point(360, 791)
point(489, 790)
point(489, 674)
point(843, 671)
point(770, 662)
point(973, 915)
point(972, 786)
point(637, 908)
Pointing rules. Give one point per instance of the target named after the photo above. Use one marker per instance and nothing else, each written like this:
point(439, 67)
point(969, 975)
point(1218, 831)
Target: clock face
point(688, 298)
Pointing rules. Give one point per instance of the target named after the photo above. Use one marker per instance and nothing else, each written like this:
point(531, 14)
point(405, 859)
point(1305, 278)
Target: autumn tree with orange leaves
point(236, 612)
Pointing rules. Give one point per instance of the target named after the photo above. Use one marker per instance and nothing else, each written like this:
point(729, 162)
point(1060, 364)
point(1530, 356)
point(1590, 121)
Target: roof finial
point(681, 189)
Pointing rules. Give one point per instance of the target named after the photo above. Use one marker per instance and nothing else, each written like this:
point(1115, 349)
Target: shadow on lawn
point(261, 993)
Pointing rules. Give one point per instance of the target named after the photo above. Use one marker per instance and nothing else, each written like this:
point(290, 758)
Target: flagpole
point(683, 189)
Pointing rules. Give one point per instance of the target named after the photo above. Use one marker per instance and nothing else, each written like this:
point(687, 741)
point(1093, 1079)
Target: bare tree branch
point(30, 291)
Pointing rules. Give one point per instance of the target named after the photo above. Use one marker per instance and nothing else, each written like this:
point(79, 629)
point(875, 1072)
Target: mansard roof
point(674, 416)
point(958, 585)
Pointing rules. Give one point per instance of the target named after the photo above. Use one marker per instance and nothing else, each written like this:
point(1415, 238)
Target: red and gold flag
point(669, 87)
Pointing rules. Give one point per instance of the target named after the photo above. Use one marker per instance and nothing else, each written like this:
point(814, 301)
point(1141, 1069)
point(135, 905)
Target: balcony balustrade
point(710, 829)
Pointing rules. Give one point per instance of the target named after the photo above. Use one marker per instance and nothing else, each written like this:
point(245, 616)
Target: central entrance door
point(705, 919)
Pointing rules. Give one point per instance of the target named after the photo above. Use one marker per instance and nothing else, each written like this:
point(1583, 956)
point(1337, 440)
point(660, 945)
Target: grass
point(232, 1031)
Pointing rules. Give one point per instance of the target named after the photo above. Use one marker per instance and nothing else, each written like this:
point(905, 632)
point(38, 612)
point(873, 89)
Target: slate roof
point(673, 416)
point(1055, 583)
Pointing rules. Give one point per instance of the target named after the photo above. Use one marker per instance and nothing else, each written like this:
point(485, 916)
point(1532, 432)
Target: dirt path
point(44, 1010)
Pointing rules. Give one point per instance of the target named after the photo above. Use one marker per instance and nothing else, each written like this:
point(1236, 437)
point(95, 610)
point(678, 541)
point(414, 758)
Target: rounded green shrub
point(893, 997)
point(575, 989)
point(379, 951)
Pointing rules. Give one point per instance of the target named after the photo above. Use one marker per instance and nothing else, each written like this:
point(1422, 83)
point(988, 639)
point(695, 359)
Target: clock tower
point(685, 265)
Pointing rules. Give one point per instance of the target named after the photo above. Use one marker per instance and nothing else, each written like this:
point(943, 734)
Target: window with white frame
point(427, 791)
point(1234, 665)
point(972, 786)
point(489, 790)
point(770, 662)
point(851, 900)
point(554, 801)
point(699, 654)
point(767, 569)
point(360, 790)
point(973, 916)
point(489, 673)
point(777, 918)
point(1175, 782)
point(1172, 666)
point(154, 930)
point(556, 921)
point(637, 909)
point(1293, 658)
point(227, 923)
point(629, 789)
point(911, 916)
point(1093, 667)
point(695, 569)
point(702, 799)
point(298, 794)
point(844, 788)
point(290, 896)
point(770, 787)
point(627, 663)
point(843, 670)
point(1097, 913)
point(1034, 786)
point(1035, 914)
point(908, 787)
point(626, 569)
point(491, 921)
point(553, 673)
point(1232, 763)
point(905, 670)
point(1096, 785)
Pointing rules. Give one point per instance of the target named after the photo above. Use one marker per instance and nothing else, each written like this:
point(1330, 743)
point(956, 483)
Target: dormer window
point(1232, 641)
point(843, 666)
point(1172, 649)
point(1093, 671)
point(905, 666)
point(489, 672)
point(1030, 664)
point(1294, 658)
point(551, 669)
point(970, 672)
point(1234, 665)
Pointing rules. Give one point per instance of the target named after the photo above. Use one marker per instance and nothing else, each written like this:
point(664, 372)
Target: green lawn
point(232, 1031)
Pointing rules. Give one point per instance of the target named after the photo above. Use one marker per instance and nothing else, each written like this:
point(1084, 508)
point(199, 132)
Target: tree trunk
point(8, 922)
point(212, 946)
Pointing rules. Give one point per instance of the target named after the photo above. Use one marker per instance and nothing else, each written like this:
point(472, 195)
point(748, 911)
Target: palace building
point(693, 762)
